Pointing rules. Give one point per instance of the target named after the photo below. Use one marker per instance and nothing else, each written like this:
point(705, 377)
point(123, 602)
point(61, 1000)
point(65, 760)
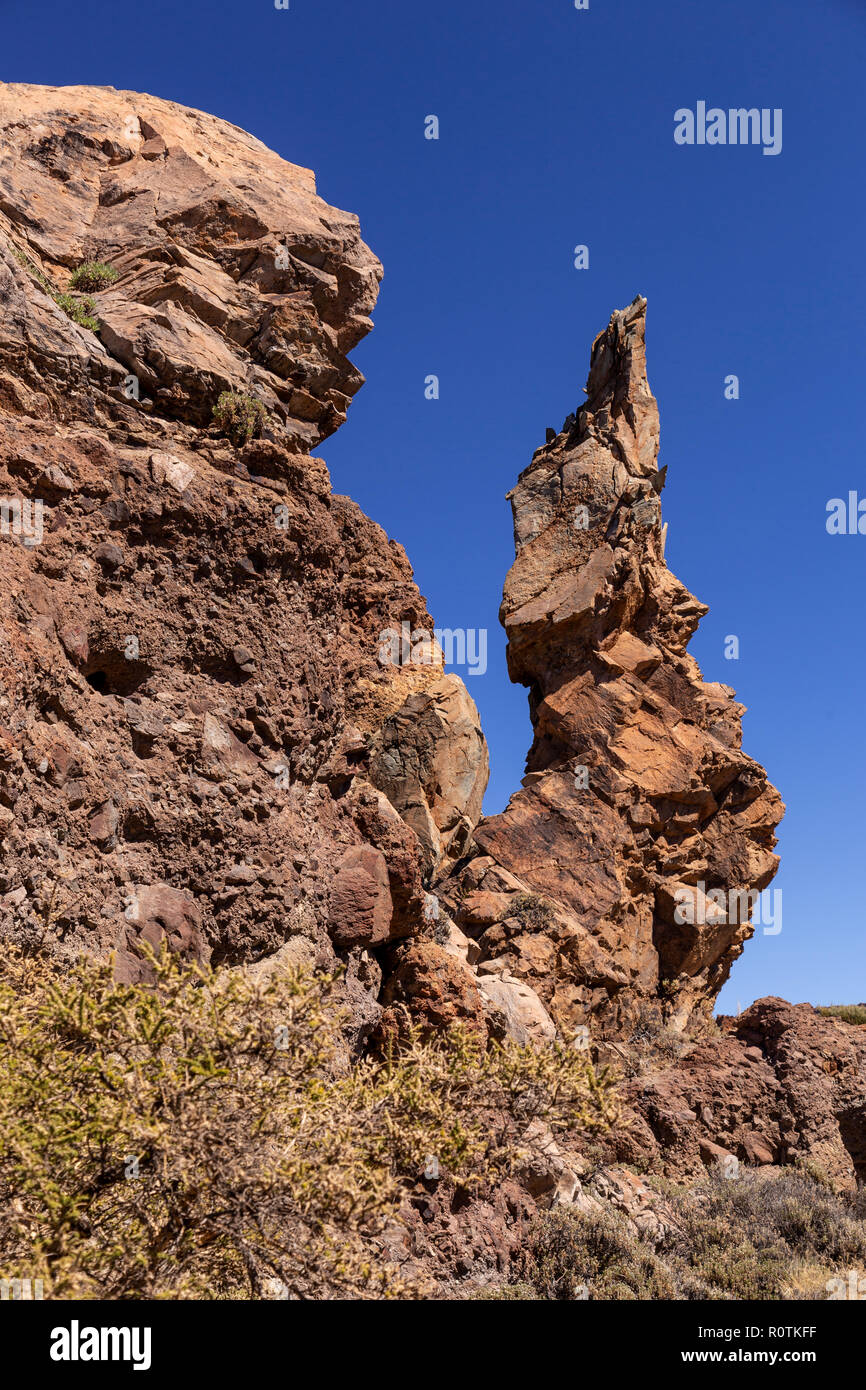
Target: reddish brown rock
point(190, 648)
point(157, 916)
point(361, 907)
point(232, 273)
point(782, 1085)
point(637, 801)
point(434, 986)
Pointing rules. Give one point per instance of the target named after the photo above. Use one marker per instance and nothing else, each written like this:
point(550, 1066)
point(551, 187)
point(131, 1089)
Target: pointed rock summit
point(620, 879)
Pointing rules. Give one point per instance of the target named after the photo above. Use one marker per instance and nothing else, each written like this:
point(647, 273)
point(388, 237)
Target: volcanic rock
point(191, 699)
point(638, 806)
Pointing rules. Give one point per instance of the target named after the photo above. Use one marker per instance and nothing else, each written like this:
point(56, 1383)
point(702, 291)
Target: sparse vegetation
point(240, 417)
point(38, 275)
point(80, 308)
point(200, 1137)
point(92, 276)
point(849, 1013)
point(571, 1257)
point(533, 912)
point(757, 1237)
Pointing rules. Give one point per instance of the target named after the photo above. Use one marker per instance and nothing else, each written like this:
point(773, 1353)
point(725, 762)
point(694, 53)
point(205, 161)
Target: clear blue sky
point(557, 129)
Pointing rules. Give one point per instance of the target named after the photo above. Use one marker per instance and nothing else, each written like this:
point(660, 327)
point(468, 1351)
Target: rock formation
point(204, 740)
point(783, 1085)
point(620, 879)
point(192, 693)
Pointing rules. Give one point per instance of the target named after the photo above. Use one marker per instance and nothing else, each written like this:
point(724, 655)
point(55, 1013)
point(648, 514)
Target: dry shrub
point(205, 1138)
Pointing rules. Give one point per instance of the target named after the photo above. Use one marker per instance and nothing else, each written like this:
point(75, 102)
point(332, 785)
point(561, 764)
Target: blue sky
point(556, 129)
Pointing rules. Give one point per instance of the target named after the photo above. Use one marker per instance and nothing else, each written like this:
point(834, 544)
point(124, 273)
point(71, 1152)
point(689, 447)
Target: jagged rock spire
point(638, 801)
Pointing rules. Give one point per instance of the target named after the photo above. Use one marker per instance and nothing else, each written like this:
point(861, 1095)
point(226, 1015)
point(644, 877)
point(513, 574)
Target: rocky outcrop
point(193, 709)
point(204, 743)
point(232, 273)
point(622, 875)
point(783, 1085)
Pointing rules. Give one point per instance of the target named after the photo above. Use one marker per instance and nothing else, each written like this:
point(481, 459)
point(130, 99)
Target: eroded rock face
point(430, 758)
point(782, 1085)
point(233, 274)
point(639, 808)
point(192, 704)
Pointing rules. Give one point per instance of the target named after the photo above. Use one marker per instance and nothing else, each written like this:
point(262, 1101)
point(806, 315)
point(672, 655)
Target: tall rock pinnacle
point(642, 834)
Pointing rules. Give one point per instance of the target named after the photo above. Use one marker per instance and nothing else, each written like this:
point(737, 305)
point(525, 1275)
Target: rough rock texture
point(232, 273)
point(430, 758)
point(636, 789)
point(201, 743)
point(782, 1085)
point(191, 692)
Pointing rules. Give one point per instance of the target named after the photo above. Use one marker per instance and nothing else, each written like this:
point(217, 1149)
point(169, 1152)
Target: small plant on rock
point(532, 912)
point(240, 417)
point(92, 276)
point(81, 309)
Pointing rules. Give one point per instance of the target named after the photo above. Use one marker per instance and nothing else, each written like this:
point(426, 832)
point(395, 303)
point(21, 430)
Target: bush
point(204, 1136)
point(571, 1256)
point(770, 1238)
point(80, 310)
point(533, 912)
point(92, 276)
point(241, 418)
point(849, 1013)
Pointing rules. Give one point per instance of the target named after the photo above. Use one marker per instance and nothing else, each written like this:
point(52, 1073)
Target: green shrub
point(849, 1013)
point(199, 1137)
point(81, 309)
point(241, 418)
point(92, 276)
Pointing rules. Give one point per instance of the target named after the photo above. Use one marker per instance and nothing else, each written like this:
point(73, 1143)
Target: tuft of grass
point(81, 309)
point(533, 912)
point(849, 1013)
point(240, 417)
point(38, 275)
point(92, 276)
